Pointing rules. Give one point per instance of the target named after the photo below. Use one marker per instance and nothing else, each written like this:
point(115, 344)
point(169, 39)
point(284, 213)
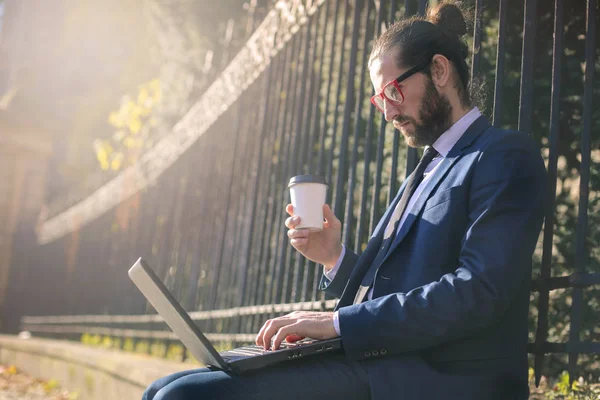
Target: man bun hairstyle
point(418, 39)
point(448, 17)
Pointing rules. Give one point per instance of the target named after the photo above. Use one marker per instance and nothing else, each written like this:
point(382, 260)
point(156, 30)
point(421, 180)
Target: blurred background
point(169, 128)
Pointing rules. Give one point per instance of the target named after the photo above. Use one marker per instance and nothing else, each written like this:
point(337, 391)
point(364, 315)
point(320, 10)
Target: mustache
point(401, 119)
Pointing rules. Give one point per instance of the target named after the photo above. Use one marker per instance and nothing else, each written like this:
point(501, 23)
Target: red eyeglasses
point(392, 92)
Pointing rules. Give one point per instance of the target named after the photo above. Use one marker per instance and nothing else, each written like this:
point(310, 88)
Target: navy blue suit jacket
point(448, 318)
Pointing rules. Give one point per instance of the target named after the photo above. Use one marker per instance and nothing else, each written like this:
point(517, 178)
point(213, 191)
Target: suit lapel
point(368, 256)
point(476, 128)
point(433, 181)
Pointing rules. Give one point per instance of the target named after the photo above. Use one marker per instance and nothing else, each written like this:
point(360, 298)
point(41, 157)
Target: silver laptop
point(236, 360)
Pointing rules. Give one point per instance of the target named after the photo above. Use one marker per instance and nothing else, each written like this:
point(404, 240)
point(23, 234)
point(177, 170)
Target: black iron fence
point(212, 223)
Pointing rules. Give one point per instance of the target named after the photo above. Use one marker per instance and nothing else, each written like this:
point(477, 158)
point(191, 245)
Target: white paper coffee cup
point(308, 194)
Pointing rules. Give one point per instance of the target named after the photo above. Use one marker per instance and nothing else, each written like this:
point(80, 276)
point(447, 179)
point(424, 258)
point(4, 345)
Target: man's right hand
point(322, 247)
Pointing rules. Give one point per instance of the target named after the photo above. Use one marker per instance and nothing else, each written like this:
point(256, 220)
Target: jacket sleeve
point(336, 286)
point(504, 220)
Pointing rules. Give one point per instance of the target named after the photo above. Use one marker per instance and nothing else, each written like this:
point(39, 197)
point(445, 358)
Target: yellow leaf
point(127, 108)
point(154, 85)
point(135, 125)
point(12, 370)
point(130, 142)
point(116, 162)
point(143, 96)
point(50, 385)
point(145, 111)
point(104, 165)
point(118, 136)
point(115, 119)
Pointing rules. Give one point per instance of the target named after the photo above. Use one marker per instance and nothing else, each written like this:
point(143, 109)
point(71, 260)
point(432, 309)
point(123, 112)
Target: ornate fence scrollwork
point(270, 37)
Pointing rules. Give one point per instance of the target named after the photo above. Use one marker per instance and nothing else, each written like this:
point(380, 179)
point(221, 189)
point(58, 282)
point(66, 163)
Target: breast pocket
point(454, 194)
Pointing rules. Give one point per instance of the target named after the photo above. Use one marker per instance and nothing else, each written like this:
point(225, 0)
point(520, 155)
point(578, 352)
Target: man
point(436, 306)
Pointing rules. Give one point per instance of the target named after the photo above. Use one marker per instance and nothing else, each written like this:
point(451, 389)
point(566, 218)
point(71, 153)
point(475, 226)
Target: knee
point(150, 392)
point(176, 391)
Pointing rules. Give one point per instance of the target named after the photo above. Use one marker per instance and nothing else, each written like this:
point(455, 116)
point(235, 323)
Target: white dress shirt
point(443, 145)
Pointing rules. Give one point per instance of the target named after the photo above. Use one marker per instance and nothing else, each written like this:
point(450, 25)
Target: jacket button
point(375, 353)
point(383, 351)
point(367, 354)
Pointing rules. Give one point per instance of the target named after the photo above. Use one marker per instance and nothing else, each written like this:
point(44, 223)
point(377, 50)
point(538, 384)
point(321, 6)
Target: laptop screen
point(174, 315)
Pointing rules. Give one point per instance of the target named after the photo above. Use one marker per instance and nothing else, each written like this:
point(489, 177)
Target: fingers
point(282, 334)
point(270, 328)
point(293, 338)
point(298, 237)
point(328, 213)
point(289, 209)
point(292, 222)
point(331, 221)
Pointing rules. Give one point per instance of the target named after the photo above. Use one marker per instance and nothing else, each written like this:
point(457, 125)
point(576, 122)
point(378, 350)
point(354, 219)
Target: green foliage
point(128, 345)
point(565, 259)
point(563, 389)
point(133, 122)
point(142, 346)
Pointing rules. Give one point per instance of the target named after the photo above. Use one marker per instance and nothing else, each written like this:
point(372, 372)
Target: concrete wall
point(94, 373)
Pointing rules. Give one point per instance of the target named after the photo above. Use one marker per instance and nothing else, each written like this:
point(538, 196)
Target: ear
point(441, 69)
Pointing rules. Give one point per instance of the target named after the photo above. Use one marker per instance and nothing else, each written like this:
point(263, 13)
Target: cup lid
point(307, 179)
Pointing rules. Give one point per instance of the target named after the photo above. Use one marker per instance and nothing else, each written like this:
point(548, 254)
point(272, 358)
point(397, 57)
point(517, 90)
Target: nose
point(390, 111)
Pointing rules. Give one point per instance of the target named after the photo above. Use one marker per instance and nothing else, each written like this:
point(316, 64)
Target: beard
point(435, 116)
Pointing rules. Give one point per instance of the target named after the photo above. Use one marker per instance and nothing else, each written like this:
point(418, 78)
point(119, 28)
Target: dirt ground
point(15, 385)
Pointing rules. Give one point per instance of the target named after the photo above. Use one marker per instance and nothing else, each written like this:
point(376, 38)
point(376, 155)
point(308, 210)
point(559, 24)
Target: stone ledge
point(94, 373)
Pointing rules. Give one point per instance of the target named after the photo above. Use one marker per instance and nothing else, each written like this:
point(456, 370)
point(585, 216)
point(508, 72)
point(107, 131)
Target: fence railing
point(210, 220)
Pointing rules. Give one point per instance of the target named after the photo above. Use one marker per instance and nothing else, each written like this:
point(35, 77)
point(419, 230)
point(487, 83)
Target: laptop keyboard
point(254, 350)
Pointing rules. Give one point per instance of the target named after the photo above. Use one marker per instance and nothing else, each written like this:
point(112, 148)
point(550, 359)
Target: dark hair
point(418, 39)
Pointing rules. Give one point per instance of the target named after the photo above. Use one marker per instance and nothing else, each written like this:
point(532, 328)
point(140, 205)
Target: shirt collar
point(448, 139)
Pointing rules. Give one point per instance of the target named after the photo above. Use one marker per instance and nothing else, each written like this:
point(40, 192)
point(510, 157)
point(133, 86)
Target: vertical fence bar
point(305, 268)
point(240, 266)
point(363, 215)
point(374, 217)
point(476, 56)
point(227, 204)
point(266, 216)
point(526, 93)
point(258, 217)
point(288, 263)
point(323, 130)
point(335, 194)
point(281, 248)
point(542, 325)
point(166, 229)
point(207, 243)
point(357, 127)
point(412, 157)
point(275, 245)
point(185, 275)
point(254, 193)
point(193, 227)
point(299, 150)
point(236, 266)
point(499, 83)
point(270, 215)
point(317, 134)
point(581, 253)
point(422, 6)
point(396, 135)
point(350, 102)
point(312, 102)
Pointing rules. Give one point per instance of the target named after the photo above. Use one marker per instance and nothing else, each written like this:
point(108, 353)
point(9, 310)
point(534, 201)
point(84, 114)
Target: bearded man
point(436, 306)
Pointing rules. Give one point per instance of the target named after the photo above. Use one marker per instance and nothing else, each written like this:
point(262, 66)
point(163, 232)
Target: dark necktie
point(413, 182)
point(388, 237)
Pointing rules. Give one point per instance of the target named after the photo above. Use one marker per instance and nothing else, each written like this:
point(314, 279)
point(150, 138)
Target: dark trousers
point(332, 377)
